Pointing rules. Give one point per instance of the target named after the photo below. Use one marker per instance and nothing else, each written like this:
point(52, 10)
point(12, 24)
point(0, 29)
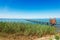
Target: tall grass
point(26, 28)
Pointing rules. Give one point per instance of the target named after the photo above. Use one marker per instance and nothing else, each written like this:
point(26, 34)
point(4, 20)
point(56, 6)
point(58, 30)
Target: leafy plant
point(57, 37)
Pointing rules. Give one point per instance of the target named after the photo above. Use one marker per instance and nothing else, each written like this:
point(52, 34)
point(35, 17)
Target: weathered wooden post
point(52, 22)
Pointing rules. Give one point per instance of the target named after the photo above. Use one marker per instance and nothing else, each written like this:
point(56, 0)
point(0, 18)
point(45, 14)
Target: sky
point(29, 9)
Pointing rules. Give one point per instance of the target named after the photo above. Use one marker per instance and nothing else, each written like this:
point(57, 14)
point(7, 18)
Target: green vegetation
point(57, 37)
point(26, 28)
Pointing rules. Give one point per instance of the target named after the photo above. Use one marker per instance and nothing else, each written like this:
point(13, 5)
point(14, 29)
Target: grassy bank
point(26, 28)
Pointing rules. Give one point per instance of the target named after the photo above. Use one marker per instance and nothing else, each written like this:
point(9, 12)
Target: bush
point(57, 37)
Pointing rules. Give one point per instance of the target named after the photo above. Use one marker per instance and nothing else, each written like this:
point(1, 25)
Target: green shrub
point(57, 37)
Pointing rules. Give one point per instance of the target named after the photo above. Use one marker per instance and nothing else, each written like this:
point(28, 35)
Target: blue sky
point(29, 8)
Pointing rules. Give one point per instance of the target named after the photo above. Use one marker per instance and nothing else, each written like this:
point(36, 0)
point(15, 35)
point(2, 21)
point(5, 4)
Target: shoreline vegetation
point(25, 30)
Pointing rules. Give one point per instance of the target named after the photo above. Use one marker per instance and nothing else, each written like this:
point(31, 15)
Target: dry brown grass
point(4, 36)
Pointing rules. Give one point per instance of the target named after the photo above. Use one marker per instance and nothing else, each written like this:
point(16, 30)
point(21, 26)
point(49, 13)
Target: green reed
point(26, 28)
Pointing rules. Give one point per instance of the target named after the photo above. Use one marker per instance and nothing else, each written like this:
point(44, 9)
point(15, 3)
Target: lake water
point(25, 20)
